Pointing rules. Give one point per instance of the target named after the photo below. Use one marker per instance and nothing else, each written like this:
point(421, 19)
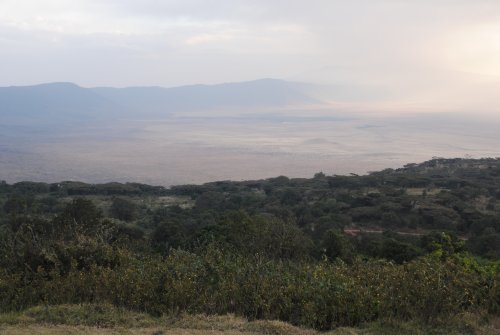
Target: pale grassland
point(108, 320)
point(104, 202)
point(420, 191)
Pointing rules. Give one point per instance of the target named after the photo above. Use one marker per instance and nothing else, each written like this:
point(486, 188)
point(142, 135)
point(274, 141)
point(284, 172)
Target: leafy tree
point(123, 209)
point(16, 205)
point(487, 244)
point(441, 243)
point(336, 245)
point(167, 235)
point(397, 251)
point(80, 216)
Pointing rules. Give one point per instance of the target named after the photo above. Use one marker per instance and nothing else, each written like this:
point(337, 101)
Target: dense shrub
point(322, 295)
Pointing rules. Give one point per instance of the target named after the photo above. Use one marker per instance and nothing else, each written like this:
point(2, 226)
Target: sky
point(412, 49)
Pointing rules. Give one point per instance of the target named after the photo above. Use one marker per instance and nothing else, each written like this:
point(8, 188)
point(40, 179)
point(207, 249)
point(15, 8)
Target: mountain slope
point(258, 93)
point(63, 101)
point(56, 100)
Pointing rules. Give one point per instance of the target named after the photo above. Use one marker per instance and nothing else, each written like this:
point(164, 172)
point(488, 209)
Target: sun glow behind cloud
point(475, 49)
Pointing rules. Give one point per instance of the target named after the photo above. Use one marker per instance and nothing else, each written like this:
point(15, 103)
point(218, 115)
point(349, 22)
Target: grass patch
point(233, 323)
point(97, 319)
point(462, 324)
point(93, 315)
point(207, 322)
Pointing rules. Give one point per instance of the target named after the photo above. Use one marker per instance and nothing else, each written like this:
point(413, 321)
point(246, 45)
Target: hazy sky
point(175, 42)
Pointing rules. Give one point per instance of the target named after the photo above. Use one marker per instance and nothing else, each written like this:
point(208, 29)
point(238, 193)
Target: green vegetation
point(418, 245)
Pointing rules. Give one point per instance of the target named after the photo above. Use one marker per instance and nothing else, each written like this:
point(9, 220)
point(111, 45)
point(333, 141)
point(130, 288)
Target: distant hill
point(258, 93)
point(61, 101)
point(67, 101)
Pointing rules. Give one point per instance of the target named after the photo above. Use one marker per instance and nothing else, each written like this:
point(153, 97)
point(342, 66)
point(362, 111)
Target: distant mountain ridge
point(70, 101)
point(55, 100)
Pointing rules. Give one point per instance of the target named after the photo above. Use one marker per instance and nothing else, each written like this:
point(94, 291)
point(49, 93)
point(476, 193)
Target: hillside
point(458, 196)
point(49, 103)
point(258, 93)
point(57, 102)
point(273, 249)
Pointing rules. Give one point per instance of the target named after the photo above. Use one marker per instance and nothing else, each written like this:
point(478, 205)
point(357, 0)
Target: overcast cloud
point(400, 44)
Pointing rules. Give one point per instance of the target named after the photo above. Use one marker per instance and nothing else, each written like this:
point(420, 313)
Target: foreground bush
point(320, 295)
